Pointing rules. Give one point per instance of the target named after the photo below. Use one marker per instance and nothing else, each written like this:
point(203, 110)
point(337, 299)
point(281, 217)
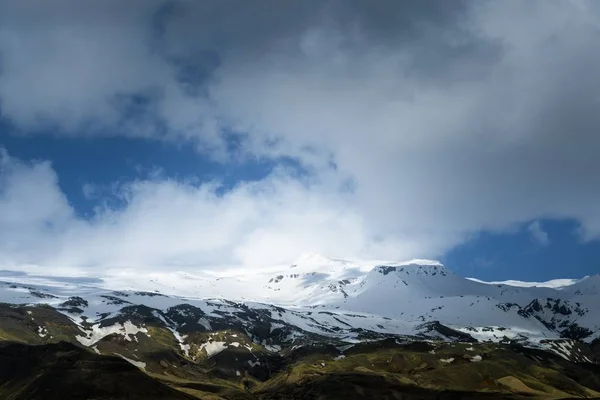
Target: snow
point(562, 348)
point(213, 348)
point(141, 365)
point(554, 283)
point(497, 333)
point(323, 296)
point(274, 348)
point(98, 333)
point(447, 360)
point(185, 348)
point(476, 358)
point(204, 322)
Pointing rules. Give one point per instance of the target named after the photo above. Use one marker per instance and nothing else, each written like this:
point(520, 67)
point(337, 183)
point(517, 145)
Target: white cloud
point(447, 119)
point(169, 224)
point(538, 233)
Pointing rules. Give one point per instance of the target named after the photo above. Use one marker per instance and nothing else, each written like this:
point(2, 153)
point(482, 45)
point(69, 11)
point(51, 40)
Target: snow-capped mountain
point(315, 299)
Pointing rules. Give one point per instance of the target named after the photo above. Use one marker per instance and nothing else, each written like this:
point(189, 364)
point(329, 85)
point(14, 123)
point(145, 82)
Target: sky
point(189, 135)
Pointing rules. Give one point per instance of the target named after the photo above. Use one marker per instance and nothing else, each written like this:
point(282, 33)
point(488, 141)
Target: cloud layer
point(419, 123)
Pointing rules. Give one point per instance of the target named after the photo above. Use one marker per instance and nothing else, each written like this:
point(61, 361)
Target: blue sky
point(104, 161)
point(188, 135)
point(519, 255)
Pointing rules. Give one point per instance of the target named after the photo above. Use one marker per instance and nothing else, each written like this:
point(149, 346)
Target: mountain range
point(314, 329)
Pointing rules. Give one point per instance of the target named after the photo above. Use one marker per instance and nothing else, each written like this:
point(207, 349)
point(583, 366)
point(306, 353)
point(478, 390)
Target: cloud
point(538, 234)
point(441, 119)
point(163, 223)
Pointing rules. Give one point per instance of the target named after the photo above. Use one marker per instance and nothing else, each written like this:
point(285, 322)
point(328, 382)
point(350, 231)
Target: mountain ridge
point(262, 325)
point(406, 292)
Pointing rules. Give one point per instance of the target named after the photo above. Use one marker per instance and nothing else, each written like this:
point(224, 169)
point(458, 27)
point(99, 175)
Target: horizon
point(306, 264)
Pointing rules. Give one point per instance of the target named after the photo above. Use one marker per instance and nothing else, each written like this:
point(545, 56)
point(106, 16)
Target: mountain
point(260, 335)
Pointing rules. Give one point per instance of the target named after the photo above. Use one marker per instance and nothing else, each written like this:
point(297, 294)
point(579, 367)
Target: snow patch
point(554, 283)
point(141, 365)
point(205, 323)
point(275, 325)
point(212, 348)
point(97, 333)
point(561, 348)
point(185, 348)
point(275, 348)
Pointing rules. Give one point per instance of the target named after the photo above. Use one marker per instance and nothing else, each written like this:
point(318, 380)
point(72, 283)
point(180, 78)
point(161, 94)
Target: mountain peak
point(308, 260)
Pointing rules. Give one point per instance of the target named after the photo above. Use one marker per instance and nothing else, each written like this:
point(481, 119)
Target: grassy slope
point(375, 370)
point(389, 372)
